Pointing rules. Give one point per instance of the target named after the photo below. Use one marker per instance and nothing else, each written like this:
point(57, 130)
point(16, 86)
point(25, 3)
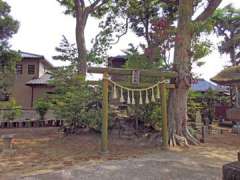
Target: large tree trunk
point(234, 63)
point(182, 65)
point(81, 19)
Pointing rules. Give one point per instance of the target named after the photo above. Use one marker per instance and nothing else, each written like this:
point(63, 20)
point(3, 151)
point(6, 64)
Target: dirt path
point(160, 166)
point(43, 154)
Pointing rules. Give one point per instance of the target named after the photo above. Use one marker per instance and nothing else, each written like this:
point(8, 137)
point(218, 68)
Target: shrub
point(12, 110)
point(149, 114)
point(41, 106)
point(75, 101)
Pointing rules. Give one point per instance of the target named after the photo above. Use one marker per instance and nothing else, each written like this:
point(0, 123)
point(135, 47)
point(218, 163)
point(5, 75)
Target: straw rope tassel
point(140, 97)
point(147, 99)
point(133, 98)
point(115, 92)
point(158, 92)
point(122, 98)
point(153, 97)
point(128, 99)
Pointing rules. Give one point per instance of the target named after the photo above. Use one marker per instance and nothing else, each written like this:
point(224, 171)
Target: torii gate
point(162, 75)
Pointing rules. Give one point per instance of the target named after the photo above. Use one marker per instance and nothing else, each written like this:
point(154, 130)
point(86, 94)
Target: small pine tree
point(42, 107)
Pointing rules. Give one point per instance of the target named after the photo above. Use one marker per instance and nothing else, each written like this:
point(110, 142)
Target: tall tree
point(81, 10)
point(8, 58)
point(182, 64)
point(155, 20)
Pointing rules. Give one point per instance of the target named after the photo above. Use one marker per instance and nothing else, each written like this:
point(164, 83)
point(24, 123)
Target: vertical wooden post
point(236, 96)
point(203, 134)
point(104, 142)
point(164, 115)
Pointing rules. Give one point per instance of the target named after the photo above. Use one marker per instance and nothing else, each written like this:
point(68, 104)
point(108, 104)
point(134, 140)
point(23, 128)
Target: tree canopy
point(81, 10)
point(8, 58)
point(227, 22)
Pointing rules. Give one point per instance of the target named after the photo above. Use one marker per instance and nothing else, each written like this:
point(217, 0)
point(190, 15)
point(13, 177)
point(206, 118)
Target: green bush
point(75, 101)
point(42, 106)
point(11, 110)
point(149, 114)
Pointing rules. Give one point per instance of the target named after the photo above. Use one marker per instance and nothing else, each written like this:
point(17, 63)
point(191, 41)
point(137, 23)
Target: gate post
point(164, 115)
point(104, 140)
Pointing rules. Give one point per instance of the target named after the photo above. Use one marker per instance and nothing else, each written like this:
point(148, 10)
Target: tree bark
point(182, 65)
point(82, 13)
point(81, 20)
point(177, 110)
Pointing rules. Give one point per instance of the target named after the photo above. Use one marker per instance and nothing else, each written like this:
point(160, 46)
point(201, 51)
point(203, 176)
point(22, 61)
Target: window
point(19, 68)
point(31, 69)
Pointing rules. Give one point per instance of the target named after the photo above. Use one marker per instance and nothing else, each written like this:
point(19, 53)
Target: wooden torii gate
point(128, 72)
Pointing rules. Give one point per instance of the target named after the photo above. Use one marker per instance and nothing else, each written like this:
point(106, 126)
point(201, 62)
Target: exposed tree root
point(190, 138)
point(184, 140)
point(176, 140)
point(172, 141)
point(181, 141)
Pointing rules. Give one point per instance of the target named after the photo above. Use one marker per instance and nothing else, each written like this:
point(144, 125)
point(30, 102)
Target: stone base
point(231, 171)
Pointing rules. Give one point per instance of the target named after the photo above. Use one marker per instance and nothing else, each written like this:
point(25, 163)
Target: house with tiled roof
point(32, 79)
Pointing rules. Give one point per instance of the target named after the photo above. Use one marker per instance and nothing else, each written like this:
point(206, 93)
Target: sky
point(42, 24)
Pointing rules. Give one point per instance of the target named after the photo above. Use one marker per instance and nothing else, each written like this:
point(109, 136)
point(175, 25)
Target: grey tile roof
point(35, 56)
point(203, 85)
point(30, 55)
point(43, 80)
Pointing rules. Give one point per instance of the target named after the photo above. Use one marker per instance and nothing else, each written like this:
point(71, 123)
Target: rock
point(231, 171)
point(7, 144)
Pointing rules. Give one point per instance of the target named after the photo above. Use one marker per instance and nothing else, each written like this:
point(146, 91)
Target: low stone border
point(31, 124)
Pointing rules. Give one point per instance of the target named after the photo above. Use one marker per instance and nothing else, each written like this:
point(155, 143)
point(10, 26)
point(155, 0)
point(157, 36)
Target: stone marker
point(7, 143)
point(198, 121)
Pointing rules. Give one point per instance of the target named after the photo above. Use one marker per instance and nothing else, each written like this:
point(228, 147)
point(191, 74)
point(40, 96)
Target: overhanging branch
point(96, 4)
point(122, 34)
point(212, 6)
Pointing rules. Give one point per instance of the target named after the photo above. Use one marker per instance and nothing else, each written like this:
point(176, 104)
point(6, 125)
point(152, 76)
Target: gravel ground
point(41, 154)
point(162, 166)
